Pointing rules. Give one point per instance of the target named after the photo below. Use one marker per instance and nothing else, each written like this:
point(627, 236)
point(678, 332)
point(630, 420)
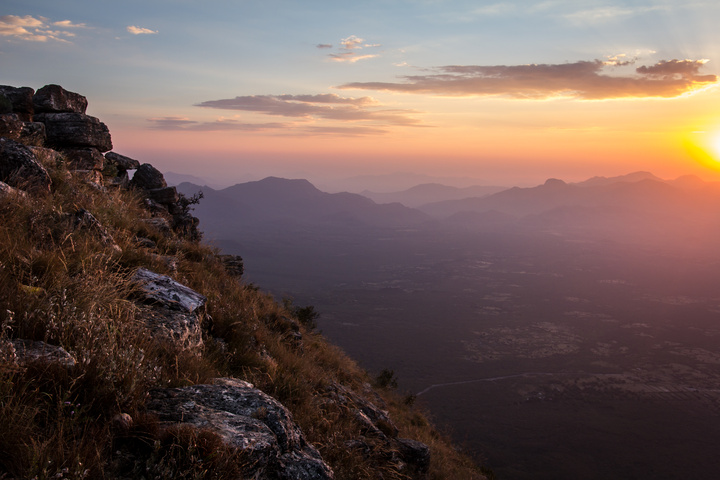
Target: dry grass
point(70, 288)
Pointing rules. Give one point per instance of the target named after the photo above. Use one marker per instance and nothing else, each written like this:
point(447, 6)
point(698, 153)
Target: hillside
point(130, 349)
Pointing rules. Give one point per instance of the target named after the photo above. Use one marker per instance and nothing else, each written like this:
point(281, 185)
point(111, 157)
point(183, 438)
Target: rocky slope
point(129, 349)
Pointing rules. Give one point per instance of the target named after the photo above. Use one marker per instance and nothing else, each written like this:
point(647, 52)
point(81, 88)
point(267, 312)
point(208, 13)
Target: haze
point(504, 93)
point(534, 252)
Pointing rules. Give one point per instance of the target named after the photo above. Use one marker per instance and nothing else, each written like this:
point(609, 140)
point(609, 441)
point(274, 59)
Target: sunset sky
point(507, 93)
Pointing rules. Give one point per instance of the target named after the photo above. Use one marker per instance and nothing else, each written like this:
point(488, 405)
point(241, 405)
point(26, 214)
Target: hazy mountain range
point(638, 207)
point(543, 325)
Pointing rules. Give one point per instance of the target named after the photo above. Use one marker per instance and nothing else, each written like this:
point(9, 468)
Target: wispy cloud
point(140, 30)
point(609, 13)
point(40, 29)
point(184, 123)
point(324, 106)
point(589, 80)
point(350, 50)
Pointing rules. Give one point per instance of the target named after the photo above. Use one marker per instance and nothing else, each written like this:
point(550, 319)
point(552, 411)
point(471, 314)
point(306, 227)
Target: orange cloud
point(184, 123)
point(33, 29)
point(324, 106)
point(588, 80)
point(349, 50)
point(140, 30)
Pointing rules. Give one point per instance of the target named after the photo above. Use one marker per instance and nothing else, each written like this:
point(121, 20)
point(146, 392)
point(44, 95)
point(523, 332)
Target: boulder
point(27, 133)
point(164, 291)
point(84, 159)
point(55, 99)
point(164, 196)
point(174, 312)
point(21, 99)
point(47, 156)
point(22, 353)
point(19, 167)
point(414, 453)
point(180, 329)
point(373, 420)
point(10, 126)
point(148, 177)
point(122, 162)
point(247, 419)
point(33, 134)
point(75, 130)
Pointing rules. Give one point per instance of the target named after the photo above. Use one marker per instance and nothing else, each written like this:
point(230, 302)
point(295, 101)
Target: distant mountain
point(640, 192)
point(174, 179)
point(278, 203)
point(429, 193)
point(630, 177)
point(397, 181)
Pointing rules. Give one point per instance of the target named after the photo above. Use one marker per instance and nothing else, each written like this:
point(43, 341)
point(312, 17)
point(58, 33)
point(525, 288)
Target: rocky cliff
point(129, 349)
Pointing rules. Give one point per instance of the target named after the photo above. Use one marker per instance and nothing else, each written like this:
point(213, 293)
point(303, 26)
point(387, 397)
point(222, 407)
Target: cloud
point(349, 50)
point(325, 106)
point(609, 13)
point(140, 30)
point(184, 123)
point(40, 29)
point(323, 45)
point(588, 80)
point(352, 42)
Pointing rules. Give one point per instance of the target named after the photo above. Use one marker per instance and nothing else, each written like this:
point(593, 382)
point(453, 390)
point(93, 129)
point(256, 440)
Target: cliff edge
point(129, 349)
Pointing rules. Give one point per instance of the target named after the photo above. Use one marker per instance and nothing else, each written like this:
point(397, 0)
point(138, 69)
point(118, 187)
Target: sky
point(501, 93)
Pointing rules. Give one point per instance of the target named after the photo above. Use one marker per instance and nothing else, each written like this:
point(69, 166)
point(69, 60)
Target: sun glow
point(704, 147)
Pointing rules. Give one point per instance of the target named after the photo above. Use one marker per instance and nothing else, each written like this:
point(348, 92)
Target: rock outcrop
point(55, 99)
point(19, 167)
point(247, 419)
point(22, 353)
point(53, 123)
point(175, 312)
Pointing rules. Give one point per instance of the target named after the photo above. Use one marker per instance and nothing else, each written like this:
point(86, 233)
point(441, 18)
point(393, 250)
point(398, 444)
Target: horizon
point(502, 94)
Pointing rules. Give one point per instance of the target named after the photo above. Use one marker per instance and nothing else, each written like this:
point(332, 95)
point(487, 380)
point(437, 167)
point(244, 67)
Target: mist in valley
point(559, 331)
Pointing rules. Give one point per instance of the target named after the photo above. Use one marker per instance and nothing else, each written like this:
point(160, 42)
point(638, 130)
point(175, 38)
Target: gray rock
point(10, 126)
point(26, 352)
point(373, 420)
point(414, 453)
point(181, 329)
point(84, 220)
point(47, 156)
point(33, 134)
point(75, 130)
point(121, 161)
point(21, 99)
point(160, 224)
point(148, 177)
point(165, 291)
point(246, 419)
point(55, 99)
point(122, 180)
point(163, 196)
point(6, 191)
point(84, 159)
point(27, 133)
point(19, 167)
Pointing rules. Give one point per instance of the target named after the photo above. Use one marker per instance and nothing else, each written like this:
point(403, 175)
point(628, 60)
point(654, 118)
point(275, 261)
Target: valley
point(566, 354)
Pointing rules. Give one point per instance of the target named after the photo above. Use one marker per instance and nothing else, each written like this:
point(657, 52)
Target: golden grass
point(69, 288)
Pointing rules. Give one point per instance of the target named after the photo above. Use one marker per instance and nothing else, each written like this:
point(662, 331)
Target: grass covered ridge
point(70, 287)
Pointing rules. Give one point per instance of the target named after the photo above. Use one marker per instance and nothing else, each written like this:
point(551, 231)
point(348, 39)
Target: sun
point(704, 148)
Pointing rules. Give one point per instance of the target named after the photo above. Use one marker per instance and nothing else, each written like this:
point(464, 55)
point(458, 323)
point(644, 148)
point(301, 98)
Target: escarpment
point(129, 349)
